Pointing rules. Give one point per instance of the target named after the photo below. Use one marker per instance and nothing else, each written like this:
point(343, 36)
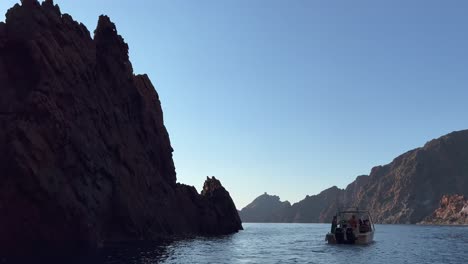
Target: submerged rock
point(85, 158)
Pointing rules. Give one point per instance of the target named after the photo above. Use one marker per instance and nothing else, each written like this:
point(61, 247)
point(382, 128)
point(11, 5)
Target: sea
point(301, 243)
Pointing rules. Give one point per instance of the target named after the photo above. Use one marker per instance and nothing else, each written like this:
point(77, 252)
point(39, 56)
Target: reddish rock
point(85, 157)
point(409, 188)
point(453, 209)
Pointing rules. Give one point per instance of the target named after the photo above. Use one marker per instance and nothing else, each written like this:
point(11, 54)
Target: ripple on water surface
point(303, 243)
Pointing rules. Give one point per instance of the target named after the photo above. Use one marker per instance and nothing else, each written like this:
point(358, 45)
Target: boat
point(351, 226)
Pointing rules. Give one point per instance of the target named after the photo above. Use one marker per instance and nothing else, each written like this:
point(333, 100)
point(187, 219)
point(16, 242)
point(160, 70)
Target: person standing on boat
point(334, 224)
point(353, 222)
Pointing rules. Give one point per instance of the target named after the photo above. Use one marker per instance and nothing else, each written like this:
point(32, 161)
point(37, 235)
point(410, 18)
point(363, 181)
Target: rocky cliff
point(85, 157)
point(453, 210)
point(404, 191)
point(409, 188)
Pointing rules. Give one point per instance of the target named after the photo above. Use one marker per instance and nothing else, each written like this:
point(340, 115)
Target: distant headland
point(426, 185)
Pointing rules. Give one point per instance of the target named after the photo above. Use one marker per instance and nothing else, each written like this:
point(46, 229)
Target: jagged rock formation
point(84, 155)
point(266, 208)
point(453, 210)
point(405, 191)
point(312, 209)
point(221, 207)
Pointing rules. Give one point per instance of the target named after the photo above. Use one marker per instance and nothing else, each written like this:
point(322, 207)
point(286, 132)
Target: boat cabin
point(351, 227)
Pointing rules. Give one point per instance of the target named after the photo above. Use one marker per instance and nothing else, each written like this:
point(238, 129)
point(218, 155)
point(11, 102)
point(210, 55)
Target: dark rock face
point(405, 191)
point(222, 208)
point(453, 210)
point(85, 157)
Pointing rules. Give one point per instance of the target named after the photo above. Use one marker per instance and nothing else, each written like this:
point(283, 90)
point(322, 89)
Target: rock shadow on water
point(137, 253)
point(114, 253)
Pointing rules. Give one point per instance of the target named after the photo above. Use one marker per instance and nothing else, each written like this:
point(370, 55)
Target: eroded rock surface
point(453, 210)
point(409, 188)
point(85, 157)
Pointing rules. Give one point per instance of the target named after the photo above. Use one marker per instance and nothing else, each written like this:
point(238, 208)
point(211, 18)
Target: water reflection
point(293, 243)
point(201, 249)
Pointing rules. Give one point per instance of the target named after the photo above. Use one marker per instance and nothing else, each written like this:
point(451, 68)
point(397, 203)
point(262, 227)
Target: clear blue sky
point(292, 97)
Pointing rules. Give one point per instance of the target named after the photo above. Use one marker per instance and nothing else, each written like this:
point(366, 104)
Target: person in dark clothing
point(334, 224)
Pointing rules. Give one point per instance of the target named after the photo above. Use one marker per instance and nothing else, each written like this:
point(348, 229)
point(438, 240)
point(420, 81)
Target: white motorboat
point(351, 227)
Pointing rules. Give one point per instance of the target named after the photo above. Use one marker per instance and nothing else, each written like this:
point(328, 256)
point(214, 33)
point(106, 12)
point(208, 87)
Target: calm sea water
point(304, 243)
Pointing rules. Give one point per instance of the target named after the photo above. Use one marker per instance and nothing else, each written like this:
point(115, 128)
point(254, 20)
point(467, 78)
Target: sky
point(293, 97)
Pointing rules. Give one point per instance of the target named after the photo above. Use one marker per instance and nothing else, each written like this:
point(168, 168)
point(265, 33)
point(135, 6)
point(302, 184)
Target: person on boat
point(353, 222)
point(334, 224)
point(363, 227)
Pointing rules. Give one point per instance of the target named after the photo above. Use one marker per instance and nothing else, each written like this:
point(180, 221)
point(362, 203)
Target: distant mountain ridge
point(407, 190)
point(267, 208)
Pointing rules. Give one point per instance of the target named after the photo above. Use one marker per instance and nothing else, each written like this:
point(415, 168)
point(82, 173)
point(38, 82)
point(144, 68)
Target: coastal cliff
point(453, 210)
point(409, 188)
point(85, 158)
point(405, 191)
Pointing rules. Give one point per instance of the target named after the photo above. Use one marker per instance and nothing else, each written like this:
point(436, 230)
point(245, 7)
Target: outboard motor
point(339, 235)
point(350, 237)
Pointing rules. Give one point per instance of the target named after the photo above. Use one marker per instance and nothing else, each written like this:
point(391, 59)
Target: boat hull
point(366, 238)
point(359, 239)
point(351, 226)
